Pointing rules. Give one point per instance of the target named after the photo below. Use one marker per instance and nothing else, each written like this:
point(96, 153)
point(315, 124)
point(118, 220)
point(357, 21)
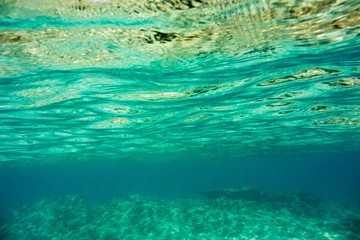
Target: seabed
point(223, 214)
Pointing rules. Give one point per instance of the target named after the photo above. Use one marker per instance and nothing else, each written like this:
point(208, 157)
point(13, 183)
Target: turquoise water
point(146, 105)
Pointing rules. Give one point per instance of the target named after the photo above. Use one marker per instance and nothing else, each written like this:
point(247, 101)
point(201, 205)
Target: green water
point(152, 102)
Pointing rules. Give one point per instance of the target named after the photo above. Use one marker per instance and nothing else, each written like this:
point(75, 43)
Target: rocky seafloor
point(221, 214)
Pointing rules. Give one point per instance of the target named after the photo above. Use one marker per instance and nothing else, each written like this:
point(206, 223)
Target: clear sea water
point(179, 119)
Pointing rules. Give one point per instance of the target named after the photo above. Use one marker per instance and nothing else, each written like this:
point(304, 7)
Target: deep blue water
point(334, 177)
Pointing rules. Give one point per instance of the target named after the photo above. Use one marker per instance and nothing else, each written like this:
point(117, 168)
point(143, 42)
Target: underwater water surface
point(179, 119)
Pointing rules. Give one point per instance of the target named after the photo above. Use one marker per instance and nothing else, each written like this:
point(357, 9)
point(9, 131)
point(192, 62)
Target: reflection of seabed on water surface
point(112, 33)
point(228, 214)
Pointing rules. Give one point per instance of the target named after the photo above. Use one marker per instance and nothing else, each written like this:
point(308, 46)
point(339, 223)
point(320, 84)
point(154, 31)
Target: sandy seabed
point(262, 215)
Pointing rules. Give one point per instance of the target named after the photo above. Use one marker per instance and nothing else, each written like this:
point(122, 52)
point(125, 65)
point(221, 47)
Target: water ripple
point(124, 79)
